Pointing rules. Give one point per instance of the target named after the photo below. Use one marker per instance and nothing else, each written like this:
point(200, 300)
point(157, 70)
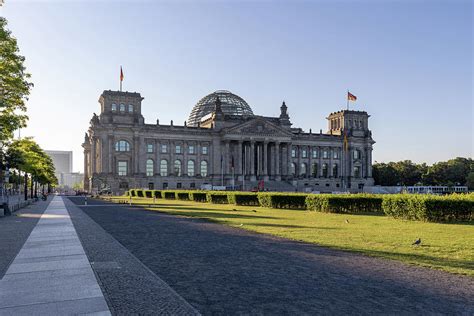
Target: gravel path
point(223, 270)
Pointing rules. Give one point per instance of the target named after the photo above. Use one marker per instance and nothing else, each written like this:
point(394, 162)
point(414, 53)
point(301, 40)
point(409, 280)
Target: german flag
point(351, 97)
point(121, 74)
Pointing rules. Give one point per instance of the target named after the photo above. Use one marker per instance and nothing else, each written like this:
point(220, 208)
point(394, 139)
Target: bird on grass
point(241, 225)
point(254, 211)
point(234, 209)
point(347, 221)
point(416, 242)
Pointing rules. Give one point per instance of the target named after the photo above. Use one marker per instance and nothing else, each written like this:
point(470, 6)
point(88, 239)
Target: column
point(227, 160)
point(277, 161)
point(369, 162)
point(157, 157)
point(111, 153)
point(299, 153)
point(331, 154)
point(289, 159)
point(93, 155)
point(320, 164)
point(185, 158)
point(252, 160)
point(310, 161)
point(198, 159)
point(265, 160)
point(238, 160)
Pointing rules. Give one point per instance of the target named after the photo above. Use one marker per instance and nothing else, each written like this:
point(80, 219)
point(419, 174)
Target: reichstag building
point(223, 143)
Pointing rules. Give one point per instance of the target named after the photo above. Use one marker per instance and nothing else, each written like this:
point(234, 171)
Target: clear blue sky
point(408, 62)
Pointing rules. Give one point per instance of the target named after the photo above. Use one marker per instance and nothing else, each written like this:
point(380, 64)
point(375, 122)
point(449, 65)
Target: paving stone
point(223, 270)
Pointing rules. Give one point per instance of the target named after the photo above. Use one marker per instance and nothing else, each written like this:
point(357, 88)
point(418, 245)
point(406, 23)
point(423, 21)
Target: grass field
point(448, 247)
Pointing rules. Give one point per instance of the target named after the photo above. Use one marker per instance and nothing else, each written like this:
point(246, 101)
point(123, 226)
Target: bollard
point(85, 200)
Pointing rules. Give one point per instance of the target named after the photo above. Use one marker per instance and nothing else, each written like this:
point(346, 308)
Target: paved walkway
point(51, 274)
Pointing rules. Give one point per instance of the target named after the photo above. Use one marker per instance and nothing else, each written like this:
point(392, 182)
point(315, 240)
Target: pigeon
point(234, 209)
point(254, 211)
point(347, 221)
point(417, 242)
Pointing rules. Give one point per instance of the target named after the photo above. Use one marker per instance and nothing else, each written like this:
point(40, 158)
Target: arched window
point(149, 168)
point(303, 169)
point(293, 169)
point(177, 168)
point(114, 107)
point(130, 108)
point(164, 167)
point(191, 168)
point(314, 170)
point(204, 168)
point(304, 153)
point(325, 170)
point(122, 107)
point(122, 145)
point(334, 171)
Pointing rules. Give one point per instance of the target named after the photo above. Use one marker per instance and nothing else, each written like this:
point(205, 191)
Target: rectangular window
point(315, 153)
point(336, 154)
point(149, 148)
point(164, 148)
point(122, 167)
point(178, 149)
point(325, 154)
point(356, 172)
point(293, 152)
point(204, 150)
point(191, 149)
point(304, 153)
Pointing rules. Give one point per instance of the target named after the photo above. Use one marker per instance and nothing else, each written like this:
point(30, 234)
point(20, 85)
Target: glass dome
point(231, 104)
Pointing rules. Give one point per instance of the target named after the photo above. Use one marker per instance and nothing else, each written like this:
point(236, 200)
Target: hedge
point(183, 195)
point(429, 207)
point(169, 195)
point(344, 203)
point(282, 200)
point(244, 199)
point(217, 197)
point(198, 196)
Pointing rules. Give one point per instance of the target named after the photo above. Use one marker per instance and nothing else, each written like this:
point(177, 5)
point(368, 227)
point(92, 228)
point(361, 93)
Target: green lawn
point(448, 247)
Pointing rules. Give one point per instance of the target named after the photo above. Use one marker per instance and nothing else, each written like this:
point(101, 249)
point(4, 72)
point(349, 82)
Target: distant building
point(62, 161)
point(223, 143)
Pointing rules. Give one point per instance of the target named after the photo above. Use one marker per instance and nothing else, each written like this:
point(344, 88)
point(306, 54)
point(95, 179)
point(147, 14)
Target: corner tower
point(119, 107)
point(355, 121)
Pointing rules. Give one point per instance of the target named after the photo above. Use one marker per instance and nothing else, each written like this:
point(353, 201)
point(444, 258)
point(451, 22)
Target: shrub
point(217, 197)
point(344, 203)
point(169, 195)
point(283, 200)
point(244, 199)
point(198, 196)
point(430, 207)
point(148, 193)
point(183, 195)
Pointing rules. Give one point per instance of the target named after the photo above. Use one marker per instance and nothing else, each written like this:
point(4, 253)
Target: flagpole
point(347, 97)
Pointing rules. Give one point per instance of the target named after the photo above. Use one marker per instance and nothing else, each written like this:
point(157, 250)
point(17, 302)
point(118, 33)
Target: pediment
point(258, 127)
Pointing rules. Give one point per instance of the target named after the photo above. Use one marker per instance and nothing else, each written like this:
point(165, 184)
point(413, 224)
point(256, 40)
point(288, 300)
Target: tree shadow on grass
point(420, 259)
point(211, 215)
point(287, 226)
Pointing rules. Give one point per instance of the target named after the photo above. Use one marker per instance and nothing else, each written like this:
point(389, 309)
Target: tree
point(14, 85)
point(27, 156)
point(385, 174)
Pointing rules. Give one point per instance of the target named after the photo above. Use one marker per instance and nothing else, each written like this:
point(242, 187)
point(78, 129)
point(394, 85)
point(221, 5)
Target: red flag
point(121, 74)
point(351, 97)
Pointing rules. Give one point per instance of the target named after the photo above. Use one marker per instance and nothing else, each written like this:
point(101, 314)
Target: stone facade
point(121, 151)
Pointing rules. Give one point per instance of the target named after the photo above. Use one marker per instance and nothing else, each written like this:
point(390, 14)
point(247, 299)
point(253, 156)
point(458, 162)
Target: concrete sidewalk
point(51, 274)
